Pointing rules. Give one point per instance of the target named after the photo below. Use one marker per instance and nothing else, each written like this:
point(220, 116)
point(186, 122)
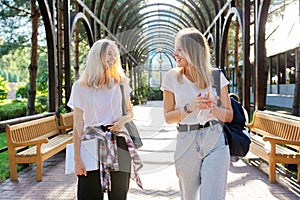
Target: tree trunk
point(296, 105)
point(35, 14)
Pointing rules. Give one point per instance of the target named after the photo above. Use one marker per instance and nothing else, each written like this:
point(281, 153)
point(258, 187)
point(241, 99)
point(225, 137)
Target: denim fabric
point(202, 161)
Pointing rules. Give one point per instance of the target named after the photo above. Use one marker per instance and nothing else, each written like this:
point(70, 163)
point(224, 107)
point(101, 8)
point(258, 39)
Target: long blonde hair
point(97, 74)
point(196, 51)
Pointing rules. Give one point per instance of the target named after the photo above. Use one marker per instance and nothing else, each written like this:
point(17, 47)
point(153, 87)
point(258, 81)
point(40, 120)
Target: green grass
point(4, 167)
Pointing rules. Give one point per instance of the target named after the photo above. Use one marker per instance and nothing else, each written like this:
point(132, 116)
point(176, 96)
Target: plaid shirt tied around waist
point(108, 156)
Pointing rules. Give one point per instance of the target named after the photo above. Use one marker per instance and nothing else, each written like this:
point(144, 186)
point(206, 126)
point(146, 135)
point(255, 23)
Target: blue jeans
point(202, 161)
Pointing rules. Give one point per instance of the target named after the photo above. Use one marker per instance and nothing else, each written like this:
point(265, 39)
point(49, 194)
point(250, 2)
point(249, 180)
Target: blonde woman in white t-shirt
point(202, 157)
point(97, 105)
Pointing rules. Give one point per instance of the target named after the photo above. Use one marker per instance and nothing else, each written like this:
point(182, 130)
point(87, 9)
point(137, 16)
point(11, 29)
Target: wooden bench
point(34, 142)
point(275, 139)
point(66, 120)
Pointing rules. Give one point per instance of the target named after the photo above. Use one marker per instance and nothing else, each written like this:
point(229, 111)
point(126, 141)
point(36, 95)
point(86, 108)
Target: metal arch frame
point(208, 13)
point(152, 22)
point(209, 38)
point(164, 38)
point(109, 12)
point(216, 26)
point(261, 11)
point(232, 12)
point(93, 23)
point(92, 15)
point(136, 22)
point(198, 10)
point(151, 60)
point(80, 17)
point(147, 6)
point(181, 19)
point(154, 43)
point(191, 2)
point(162, 26)
point(162, 52)
point(51, 47)
point(146, 48)
point(207, 10)
point(183, 2)
point(164, 21)
point(121, 9)
point(153, 35)
point(145, 45)
point(169, 50)
point(99, 13)
point(195, 13)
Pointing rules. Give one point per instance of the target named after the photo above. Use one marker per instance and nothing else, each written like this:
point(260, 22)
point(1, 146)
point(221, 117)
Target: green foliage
point(22, 91)
point(42, 86)
point(155, 94)
point(3, 73)
point(3, 88)
point(12, 109)
point(41, 104)
point(15, 63)
point(4, 164)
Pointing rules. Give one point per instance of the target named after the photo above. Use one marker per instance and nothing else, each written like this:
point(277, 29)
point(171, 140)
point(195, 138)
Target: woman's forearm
point(77, 132)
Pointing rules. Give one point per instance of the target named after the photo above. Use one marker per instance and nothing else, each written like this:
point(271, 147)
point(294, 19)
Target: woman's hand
point(80, 168)
point(118, 123)
point(203, 102)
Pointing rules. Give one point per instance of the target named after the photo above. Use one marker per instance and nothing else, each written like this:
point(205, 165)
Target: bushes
point(10, 109)
point(3, 88)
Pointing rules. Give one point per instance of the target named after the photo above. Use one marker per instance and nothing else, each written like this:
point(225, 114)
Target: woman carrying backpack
point(201, 157)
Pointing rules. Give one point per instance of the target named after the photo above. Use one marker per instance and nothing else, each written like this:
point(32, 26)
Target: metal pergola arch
point(164, 4)
point(117, 23)
point(167, 50)
point(214, 28)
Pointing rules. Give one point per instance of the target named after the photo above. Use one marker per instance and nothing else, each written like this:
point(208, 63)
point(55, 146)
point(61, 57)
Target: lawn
point(4, 167)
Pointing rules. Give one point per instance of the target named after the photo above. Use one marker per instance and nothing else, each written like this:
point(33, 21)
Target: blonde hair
point(196, 52)
point(96, 73)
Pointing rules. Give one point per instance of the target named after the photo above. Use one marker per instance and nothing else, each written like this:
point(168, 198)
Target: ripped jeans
point(202, 161)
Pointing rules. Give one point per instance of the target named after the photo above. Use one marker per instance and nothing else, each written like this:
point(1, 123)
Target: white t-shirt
point(186, 92)
point(100, 106)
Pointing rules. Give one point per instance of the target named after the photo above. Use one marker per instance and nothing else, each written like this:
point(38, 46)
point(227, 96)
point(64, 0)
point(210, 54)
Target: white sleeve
point(224, 81)
point(127, 90)
point(167, 82)
point(76, 97)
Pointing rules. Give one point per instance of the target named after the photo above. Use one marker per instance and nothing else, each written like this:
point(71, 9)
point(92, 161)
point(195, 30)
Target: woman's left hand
point(118, 124)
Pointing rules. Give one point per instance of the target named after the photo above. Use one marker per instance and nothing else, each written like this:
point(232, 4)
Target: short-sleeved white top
point(100, 106)
point(186, 92)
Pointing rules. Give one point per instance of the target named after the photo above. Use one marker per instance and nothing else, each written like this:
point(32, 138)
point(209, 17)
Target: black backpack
point(237, 140)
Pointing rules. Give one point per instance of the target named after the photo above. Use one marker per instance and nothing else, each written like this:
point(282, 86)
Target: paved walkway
point(246, 179)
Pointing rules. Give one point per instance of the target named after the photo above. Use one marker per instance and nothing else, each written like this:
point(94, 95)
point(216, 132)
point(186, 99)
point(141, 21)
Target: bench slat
point(35, 134)
point(268, 124)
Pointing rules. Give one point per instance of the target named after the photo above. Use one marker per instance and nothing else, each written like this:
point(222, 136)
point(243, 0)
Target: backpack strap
point(216, 73)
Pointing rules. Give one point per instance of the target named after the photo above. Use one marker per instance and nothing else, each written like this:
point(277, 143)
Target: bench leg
point(13, 171)
point(272, 172)
point(39, 170)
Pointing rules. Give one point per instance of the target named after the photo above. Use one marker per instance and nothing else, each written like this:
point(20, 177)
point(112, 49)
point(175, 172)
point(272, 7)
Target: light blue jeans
point(202, 161)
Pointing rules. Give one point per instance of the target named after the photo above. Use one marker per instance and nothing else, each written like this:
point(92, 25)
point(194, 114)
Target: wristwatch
point(186, 109)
